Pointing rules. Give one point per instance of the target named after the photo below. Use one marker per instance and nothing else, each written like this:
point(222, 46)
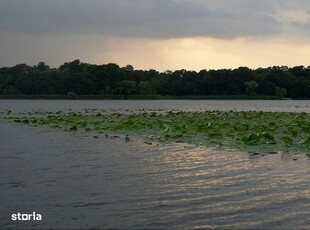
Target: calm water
point(77, 181)
point(185, 105)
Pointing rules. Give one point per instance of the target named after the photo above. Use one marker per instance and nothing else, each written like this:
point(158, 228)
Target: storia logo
point(26, 217)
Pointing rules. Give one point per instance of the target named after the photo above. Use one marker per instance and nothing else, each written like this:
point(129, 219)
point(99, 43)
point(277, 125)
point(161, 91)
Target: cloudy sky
point(156, 34)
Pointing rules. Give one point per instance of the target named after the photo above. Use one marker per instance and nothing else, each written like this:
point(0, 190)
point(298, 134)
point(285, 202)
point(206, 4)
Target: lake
point(77, 181)
point(184, 105)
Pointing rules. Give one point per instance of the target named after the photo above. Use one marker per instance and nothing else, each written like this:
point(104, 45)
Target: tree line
point(77, 78)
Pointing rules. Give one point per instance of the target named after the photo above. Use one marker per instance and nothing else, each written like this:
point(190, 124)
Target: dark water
point(77, 181)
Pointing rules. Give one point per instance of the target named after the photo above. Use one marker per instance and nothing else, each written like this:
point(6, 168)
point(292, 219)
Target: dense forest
point(77, 78)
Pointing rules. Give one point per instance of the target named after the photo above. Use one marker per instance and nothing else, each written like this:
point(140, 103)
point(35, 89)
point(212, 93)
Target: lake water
point(184, 105)
point(77, 181)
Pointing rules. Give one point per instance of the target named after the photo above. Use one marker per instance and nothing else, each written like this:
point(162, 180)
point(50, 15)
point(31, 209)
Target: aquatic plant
point(249, 131)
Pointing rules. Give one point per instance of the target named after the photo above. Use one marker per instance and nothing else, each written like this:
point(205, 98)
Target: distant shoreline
point(142, 97)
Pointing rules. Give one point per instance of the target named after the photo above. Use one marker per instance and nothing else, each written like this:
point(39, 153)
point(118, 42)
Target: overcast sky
point(160, 34)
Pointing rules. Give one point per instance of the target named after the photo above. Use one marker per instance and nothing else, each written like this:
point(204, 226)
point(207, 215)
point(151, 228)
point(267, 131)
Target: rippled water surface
point(77, 181)
point(185, 105)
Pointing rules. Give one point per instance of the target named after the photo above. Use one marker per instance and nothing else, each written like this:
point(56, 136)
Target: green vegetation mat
point(255, 132)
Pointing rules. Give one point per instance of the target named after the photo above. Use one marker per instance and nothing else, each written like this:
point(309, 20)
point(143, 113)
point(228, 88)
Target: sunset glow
point(156, 34)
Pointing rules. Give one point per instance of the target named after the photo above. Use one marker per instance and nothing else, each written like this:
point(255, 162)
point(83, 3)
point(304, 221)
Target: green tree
point(251, 87)
point(128, 68)
point(145, 88)
point(42, 66)
point(280, 92)
point(126, 88)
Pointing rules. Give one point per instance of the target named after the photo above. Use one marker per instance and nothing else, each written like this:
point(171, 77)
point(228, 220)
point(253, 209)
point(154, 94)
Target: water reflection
point(76, 181)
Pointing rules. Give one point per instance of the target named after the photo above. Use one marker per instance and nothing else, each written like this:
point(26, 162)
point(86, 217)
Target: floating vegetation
point(263, 132)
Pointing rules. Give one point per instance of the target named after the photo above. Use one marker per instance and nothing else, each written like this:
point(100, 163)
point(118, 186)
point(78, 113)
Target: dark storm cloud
point(144, 18)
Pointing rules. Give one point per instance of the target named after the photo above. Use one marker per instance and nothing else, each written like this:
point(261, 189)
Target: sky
point(156, 34)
